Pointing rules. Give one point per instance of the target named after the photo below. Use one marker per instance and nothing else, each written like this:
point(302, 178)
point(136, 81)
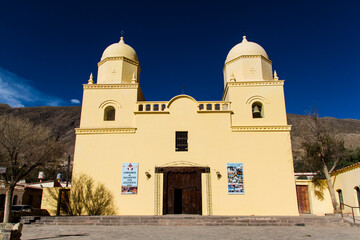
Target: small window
point(181, 140)
point(141, 107)
point(217, 106)
point(156, 107)
point(148, 107)
point(109, 113)
point(163, 106)
point(341, 199)
point(201, 107)
point(209, 106)
point(257, 110)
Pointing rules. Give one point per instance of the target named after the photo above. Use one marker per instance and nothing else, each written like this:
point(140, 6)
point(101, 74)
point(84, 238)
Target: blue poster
point(235, 178)
point(129, 179)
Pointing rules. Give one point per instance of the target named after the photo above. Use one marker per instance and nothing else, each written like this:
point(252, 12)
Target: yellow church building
point(182, 156)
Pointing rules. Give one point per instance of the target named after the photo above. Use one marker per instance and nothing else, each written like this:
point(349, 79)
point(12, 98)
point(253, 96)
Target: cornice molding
point(251, 84)
point(83, 131)
point(116, 59)
point(286, 128)
point(255, 83)
point(249, 56)
point(111, 86)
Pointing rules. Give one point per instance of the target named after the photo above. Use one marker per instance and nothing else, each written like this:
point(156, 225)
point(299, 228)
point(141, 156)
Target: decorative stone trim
point(157, 205)
point(118, 58)
point(249, 56)
point(255, 83)
point(82, 131)
point(251, 84)
point(111, 86)
point(209, 193)
point(286, 128)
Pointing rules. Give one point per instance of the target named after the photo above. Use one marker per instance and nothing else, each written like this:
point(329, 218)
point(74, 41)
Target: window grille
point(181, 139)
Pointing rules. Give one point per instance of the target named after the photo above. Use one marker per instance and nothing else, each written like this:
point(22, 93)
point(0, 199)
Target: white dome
point(120, 49)
point(245, 48)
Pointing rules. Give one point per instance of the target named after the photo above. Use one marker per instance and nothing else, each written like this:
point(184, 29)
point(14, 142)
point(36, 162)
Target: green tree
point(351, 157)
point(322, 154)
point(23, 148)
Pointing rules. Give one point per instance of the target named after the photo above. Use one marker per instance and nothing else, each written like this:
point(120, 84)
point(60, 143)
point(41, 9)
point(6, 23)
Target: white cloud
point(75, 101)
point(18, 92)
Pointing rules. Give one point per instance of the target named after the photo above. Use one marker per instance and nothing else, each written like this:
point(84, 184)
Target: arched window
point(357, 189)
point(257, 110)
point(341, 199)
point(15, 199)
point(109, 113)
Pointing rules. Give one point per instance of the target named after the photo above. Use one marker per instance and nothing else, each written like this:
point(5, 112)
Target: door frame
point(167, 170)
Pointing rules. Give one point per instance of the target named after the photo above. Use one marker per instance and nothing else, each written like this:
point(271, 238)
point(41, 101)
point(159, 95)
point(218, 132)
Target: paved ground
point(33, 232)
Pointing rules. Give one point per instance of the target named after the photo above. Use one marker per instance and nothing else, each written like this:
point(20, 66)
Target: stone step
point(184, 220)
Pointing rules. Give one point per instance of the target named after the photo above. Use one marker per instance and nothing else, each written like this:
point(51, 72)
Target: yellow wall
point(266, 156)
point(48, 202)
point(347, 181)
point(317, 206)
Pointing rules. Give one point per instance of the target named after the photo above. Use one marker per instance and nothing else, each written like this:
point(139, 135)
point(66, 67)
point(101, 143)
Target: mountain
point(63, 120)
point(346, 129)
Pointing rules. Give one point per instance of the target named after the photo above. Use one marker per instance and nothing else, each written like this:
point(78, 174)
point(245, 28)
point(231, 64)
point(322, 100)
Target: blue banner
point(235, 178)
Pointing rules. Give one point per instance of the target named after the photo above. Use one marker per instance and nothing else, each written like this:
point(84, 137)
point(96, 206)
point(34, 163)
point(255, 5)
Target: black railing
point(352, 210)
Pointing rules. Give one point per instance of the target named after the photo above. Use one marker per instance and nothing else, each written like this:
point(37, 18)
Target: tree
point(323, 151)
point(84, 197)
point(23, 148)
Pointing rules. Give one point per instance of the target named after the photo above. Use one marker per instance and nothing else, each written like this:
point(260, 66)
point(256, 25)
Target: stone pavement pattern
point(61, 232)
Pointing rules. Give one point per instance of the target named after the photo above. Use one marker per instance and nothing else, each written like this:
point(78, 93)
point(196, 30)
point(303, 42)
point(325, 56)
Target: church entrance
point(182, 190)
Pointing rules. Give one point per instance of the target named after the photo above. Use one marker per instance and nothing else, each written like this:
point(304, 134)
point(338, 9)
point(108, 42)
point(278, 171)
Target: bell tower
point(111, 101)
point(257, 99)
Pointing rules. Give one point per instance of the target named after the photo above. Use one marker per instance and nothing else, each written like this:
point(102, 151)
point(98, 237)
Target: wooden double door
point(182, 190)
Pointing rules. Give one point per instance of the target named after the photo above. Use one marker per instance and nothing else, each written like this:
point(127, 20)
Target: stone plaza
point(64, 232)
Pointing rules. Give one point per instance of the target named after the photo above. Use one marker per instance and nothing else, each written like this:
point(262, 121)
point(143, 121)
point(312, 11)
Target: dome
point(245, 48)
point(120, 49)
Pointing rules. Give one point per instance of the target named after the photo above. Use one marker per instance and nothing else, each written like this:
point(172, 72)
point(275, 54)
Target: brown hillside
point(347, 129)
point(61, 120)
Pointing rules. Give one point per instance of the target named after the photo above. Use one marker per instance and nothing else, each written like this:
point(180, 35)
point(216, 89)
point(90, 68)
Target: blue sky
point(49, 48)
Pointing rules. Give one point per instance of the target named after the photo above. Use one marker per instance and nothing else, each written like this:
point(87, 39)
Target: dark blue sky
point(49, 48)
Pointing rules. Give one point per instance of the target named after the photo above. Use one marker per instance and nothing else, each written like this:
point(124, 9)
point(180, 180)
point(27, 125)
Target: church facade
point(182, 156)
